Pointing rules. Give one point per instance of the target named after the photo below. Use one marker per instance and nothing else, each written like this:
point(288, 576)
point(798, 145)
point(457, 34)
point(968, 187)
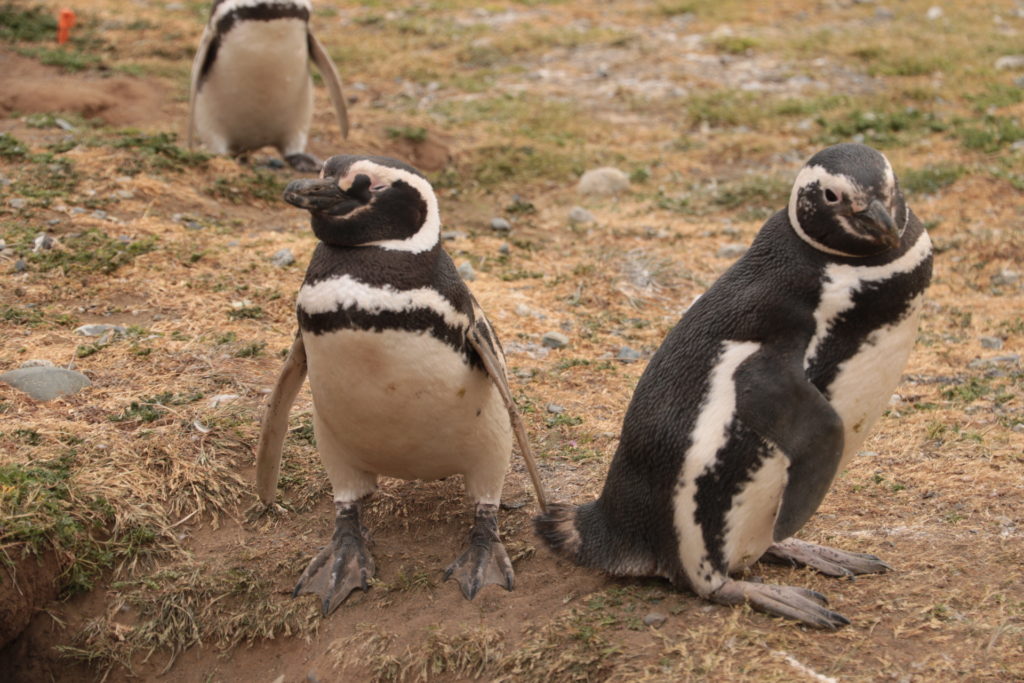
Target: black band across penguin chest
point(370, 289)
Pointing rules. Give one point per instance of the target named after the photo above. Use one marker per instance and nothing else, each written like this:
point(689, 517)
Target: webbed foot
point(800, 604)
point(342, 565)
point(828, 561)
point(485, 560)
point(304, 163)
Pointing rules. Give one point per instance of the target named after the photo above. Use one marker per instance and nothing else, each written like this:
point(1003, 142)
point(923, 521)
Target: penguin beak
point(876, 222)
point(320, 195)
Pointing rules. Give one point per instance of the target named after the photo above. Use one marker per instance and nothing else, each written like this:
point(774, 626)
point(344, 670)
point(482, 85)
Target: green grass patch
point(11, 148)
point(92, 251)
point(159, 151)
point(519, 164)
point(930, 179)
point(989, 134)
point(152, 408)
point(881, 128)
point(66, 59)
point(254, 184)
point(26, 24)
point(251, 350)
point(411, 133)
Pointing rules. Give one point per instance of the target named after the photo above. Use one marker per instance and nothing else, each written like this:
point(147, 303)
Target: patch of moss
point(930, 179)
point(881, 128)
point(159, 151)
point(26, 24)
point(11, 148)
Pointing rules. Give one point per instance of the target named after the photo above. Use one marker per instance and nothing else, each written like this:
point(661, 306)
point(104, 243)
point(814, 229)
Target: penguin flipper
point(202, 55)
point(828, 561)
point(495, 369)
point(325, 65)
point(275, 421)
point(776, 401)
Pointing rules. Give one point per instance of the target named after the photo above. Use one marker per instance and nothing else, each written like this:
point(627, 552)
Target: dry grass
point(140, 483)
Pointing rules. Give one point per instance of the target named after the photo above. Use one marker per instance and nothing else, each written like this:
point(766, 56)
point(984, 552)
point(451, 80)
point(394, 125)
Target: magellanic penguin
point(761, 394)
point(407, 375)
point(251, 85)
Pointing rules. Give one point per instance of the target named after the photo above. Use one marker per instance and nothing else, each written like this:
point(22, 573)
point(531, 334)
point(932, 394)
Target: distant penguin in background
point(251, 85)
point(407, 375)
point(761, 394)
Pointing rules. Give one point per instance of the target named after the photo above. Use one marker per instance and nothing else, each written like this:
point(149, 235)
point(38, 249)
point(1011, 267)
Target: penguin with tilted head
point(407, 375)
point(251, 85)
point(761, 394)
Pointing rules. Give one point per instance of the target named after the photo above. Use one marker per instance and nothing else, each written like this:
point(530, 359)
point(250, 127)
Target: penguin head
point(366, 201)
point(846, 202)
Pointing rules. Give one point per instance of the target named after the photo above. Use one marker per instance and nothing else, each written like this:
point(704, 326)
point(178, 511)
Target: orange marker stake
point(65, 20)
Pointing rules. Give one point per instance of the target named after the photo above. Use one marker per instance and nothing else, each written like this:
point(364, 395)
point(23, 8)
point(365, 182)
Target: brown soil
point(937, 492)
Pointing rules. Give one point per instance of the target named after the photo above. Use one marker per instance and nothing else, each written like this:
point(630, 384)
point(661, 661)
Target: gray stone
point(99, 213)
point(603, 181)
point(466, 271)
point(98, 329)
point(449, 235)
point(46, 384)
point(38, 363)
point(283, 258)
point(628, 355)
point(934, 12)
point(655, 619)
point(731, 250)
point(554, 340)
point(504, 249)
point(994, 343)
point(1019, 427)
point(17, 203)
point(555, 409)
point(1010, 62)
point(500, 224)
point(1006, 276)
point(42, 242)
point(20, 266)
point(222, 398)
point(1008, 359)
point(578, 214)
point(124, 194)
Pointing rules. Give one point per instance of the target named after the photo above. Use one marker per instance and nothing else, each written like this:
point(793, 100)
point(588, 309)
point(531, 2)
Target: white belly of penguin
point(865, 382)
point(404, 404)
point(258, 91)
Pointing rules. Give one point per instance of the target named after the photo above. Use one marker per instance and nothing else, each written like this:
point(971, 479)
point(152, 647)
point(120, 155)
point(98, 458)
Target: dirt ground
point(710, 108)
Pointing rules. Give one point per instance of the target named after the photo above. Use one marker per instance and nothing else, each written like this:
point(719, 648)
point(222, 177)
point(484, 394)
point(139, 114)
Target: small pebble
point(98, 329)
point(1019, 428)
point(580, 215)
point(731, 250)
point(1009, 359)
point(1006, 276)
point(554, 340)
point(627, 355)
point(283, 258)
point(555, 409)
point(603, 181)
point(504, 248)
point(222, 398)
point(20, 266)
point(99, 213)
point(655, 619)
point(466, 271)
point(1010, 62)
point(17, 203)
point(994, 343)
point(500, 225)
point(449, 235)
point(38, 363)
point(934, 12)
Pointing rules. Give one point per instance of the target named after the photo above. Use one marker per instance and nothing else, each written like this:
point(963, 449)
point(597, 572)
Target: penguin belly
point(406, 405)
point(258, 91)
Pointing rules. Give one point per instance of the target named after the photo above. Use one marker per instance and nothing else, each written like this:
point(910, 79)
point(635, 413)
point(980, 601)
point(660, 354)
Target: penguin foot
point(342, 565)
point(828, 561)
point(304, 163)
point(485, 560)
point(800, 604)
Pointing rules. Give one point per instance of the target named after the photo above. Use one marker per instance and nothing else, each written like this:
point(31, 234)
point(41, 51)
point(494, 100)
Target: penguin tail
point(586, 535)
point(557, 527)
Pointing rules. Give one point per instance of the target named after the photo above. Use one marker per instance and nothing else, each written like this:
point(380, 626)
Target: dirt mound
point(26, 585)
point(28, 87)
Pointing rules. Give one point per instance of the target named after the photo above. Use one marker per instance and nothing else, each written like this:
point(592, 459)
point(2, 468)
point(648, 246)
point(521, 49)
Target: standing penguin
point(407, 375)
point(761, 394)
point(251, 85)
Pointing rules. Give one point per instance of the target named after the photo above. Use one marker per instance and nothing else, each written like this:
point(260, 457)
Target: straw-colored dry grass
point(131, 498)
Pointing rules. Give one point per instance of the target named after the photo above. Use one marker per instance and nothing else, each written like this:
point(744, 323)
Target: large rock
point(46, 384)
point(603, 181)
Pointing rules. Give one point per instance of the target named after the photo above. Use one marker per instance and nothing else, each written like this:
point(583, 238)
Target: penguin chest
point(864, 383)
point(258, 91)
point(403, 404)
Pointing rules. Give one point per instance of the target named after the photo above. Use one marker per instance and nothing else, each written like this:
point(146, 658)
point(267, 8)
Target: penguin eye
point(831, 197)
